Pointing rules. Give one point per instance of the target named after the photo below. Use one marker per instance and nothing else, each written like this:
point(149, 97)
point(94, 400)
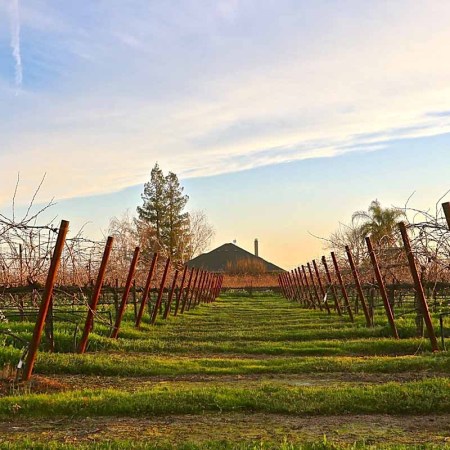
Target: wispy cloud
point(114, 86)
point(15, 42)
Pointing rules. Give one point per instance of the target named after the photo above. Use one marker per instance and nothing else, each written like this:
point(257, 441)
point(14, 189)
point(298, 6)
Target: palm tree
point(379, 223)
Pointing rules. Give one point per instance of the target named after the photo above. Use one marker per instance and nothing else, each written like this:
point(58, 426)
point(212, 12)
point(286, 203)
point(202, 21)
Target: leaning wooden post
point(95, 296)
point(212, 282)
point(203, 288)
point(215, 287)
point(288, 286)
point(419, 287)
point(382, 287)
point(126, 292)
point(359, 288)
point(199, 288)
point(188, 290)
point(331, 286)
point(322, 290)
point(46, 299)
point(219, 289)
point(292, 286)
point(306, 299)
point(446, 208)
point(299, 287)
point(172, 291)
point(207, 287)
point(210, 288)
point(298, 293)
point(180, 291)
point(280, 284)
point(146, 292)
point(194, 288)
point(316, 294)
point(160, 293)
point(311, 297)
point(343, 289)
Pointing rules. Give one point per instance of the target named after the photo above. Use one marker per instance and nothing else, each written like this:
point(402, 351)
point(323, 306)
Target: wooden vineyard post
point(204, 295)
point(46, 299)
point(194, 287)
point(419, 287)
point(172, 291)
point(203, 288)
point(294, 286)
point(146, 292)
point(126, 293)
point(322, 290)
point(160, 292)
point(212, 289)
point(343, 289)
point(300, 286)
point(331, 286)
point(359, 288)
point(283, 284)
point(188, 289)
point(286, 284)
point(304, 289)
point(197, 291)
point(446, 208)
point(95, 296)
point(218, 287)
point(382, 287)
point(311, 298)
point(316, 294)
point(212, 286)
point(180, 291)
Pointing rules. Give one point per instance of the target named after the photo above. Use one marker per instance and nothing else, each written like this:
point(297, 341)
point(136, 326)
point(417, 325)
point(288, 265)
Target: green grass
point(259, 326)
point(143, 365)
point(235, 336)
point(422, 397)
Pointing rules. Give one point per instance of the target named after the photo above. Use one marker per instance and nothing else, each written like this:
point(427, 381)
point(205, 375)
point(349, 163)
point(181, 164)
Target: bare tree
point(199, 236)
point(347, 235)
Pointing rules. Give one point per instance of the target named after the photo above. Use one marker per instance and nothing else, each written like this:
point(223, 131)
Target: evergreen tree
point(163, 205)
point(154, 203)
point(176, 222)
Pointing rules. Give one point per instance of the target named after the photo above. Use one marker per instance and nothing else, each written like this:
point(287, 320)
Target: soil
point(372, 429)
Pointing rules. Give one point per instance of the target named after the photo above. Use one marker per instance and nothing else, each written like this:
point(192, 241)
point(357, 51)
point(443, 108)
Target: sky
point(280, 117)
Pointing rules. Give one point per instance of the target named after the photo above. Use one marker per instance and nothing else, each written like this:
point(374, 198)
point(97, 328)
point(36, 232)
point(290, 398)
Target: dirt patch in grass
point(371, 429)
point(37, 385)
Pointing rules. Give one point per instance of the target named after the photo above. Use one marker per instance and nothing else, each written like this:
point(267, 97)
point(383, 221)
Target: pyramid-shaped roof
point(217, 260)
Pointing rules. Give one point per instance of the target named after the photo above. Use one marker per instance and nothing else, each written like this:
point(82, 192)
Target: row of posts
point(196, 286)
point(312, 292)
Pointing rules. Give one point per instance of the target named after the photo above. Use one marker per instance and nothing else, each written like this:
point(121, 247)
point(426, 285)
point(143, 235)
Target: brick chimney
point(256, 247)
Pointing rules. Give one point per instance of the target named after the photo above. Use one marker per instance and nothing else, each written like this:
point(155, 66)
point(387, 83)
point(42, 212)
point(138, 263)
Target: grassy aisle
point(261, 360)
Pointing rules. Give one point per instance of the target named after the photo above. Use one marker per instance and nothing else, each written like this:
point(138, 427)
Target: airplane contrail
point(15, 42)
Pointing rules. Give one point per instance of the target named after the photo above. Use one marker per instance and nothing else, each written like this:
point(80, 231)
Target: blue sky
point(280, 116)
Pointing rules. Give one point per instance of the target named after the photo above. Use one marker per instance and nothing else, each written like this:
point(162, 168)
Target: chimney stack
point(256, 247)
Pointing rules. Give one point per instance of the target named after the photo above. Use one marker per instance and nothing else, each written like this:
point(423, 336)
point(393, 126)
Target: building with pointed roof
point(227, 256)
